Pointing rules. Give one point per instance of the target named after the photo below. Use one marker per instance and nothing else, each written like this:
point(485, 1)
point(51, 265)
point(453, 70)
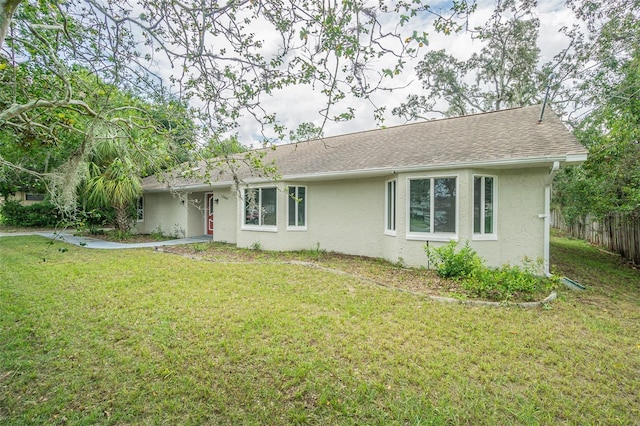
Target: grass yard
point(145, 337)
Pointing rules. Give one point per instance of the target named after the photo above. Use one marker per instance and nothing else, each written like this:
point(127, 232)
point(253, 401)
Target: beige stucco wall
point(520, 229)
point(182, 214)
point(347, 216)
point(164, 212)
point(195, 214)
point(520, 199)
point(342, 215)
point(226, 216)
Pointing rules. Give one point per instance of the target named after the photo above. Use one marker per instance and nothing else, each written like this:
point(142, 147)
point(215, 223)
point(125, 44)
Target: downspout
point(547, 217)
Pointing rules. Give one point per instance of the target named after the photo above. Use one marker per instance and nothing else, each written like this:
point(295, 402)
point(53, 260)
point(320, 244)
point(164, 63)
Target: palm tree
point(113, 180)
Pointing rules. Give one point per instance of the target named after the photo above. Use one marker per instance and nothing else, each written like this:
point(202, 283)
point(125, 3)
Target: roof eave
point(494, 164)
point(576, 158)
point(188, 188)
point(389, 171)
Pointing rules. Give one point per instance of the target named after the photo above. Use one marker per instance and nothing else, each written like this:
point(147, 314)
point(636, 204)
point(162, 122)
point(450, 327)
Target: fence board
point(617, 232)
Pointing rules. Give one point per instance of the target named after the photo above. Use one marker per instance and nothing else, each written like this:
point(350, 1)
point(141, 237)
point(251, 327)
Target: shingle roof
point(509, 136)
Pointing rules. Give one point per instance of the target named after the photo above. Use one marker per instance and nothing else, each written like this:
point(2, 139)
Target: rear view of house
point(483, 178)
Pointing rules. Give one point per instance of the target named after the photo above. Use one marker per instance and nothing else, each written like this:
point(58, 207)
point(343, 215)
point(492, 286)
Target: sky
point(296, 105)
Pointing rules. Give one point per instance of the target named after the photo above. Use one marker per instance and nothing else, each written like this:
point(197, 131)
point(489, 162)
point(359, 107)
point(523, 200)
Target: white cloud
point(295, 105)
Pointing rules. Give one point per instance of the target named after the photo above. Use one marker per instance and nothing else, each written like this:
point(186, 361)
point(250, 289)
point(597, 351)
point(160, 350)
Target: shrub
point(91, 221)
point(491, 283)
point(157, 234)
point(42, 214)
point(450, 263)
point(504, 282)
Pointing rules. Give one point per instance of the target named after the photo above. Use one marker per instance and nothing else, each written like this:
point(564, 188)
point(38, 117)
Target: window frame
point(391, 206)
point(297, 227)
point(432, 235)
point(140, 209)
point(34, 196)
point(243, 210)
point(482, 235)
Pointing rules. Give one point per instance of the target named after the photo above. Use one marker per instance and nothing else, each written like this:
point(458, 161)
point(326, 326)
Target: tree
point(305, 132)
point(53, 152)
point(7, 9)
point(595, 61)
point(607, 59)
point(610, 179)
point(504, 74)
point(215, 57)
point(113, 178)
point(222, 148)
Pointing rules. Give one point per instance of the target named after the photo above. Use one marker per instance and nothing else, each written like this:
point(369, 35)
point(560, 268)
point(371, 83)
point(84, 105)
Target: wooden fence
point(616, 232)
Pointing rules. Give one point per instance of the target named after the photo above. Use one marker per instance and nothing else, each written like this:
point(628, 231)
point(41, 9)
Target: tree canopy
point(608, 58)
point(610, 179)
point(593, 82)
point(76, 65)
point(505, 73)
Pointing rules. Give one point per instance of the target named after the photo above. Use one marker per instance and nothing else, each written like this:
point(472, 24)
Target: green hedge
point(42, 214)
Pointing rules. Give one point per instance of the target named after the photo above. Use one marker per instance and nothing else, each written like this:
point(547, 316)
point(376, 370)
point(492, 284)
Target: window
point(140, 209)
point(432, 205)
point(33, 197)
point(260, 206)
point(297, 211)
point(484, 210)
point(390, 207)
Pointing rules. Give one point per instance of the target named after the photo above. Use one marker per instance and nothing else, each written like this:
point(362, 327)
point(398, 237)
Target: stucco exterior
point(226, 215)
point(25, 198)
point(347, 216)
point(182, 214)
point(519, 234)
point(165, 213)
point(490, 175)
point(342, 216)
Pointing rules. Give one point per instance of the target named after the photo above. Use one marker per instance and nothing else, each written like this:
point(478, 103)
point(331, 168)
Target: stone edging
point(537, 304)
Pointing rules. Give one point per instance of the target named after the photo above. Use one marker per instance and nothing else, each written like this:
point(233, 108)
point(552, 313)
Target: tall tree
point(504, 74)
point(610, 179)
point(113, 177)
point(608, 38)
point(57, 144)
point(223, 57)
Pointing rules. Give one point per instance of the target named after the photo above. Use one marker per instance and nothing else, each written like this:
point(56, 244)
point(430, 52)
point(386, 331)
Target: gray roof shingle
point(509, 136)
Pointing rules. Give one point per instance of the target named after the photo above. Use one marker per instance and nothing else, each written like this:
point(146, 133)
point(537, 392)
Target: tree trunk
point(7, 7)
point(122, 219)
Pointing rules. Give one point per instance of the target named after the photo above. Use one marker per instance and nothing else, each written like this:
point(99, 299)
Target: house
point(25, 198)
point(385, 193)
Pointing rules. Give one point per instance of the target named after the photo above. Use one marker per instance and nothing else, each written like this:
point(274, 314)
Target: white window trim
point(296, 228)
point(138, 209)
point(432, 236)
point(482, 236)
point(259, 228)
point(387, 231)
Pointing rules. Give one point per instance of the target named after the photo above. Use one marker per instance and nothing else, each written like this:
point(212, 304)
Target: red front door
point(209, 202)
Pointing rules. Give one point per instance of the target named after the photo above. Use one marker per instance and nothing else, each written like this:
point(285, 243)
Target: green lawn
point(143, 337)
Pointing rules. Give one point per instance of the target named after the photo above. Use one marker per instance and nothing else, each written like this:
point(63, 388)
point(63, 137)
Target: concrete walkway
point(96, 243)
